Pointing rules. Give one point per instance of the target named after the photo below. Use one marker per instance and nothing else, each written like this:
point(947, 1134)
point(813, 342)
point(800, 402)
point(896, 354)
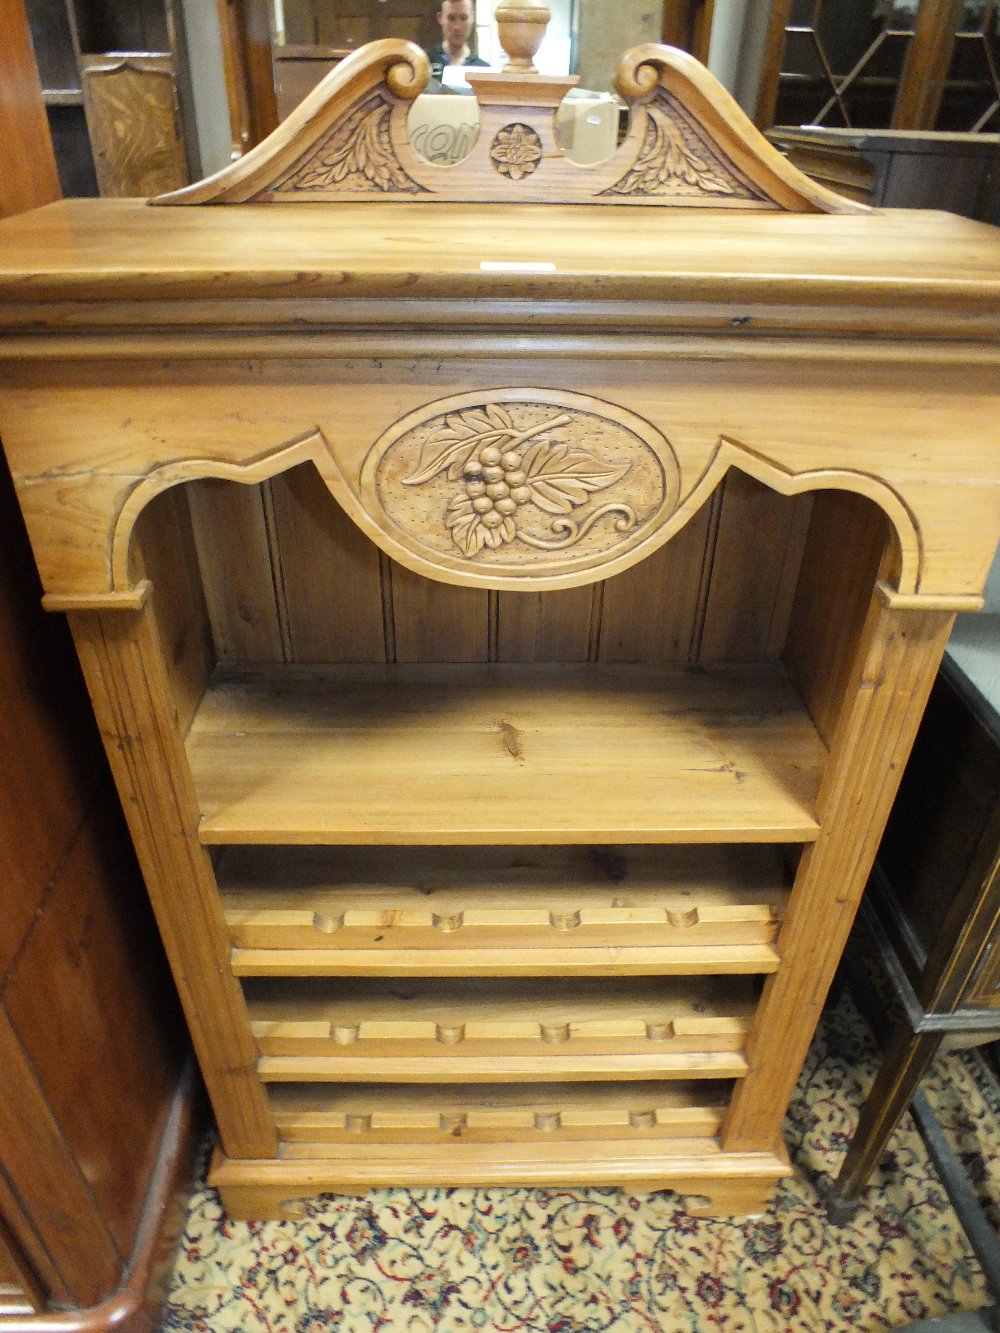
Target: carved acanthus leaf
point(356, 152)
point(677, 159)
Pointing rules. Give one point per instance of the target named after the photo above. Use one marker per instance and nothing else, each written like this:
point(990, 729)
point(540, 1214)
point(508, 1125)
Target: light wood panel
point(496, 911)
point(133, 120)
point(329, 575)
point(128, 682)
point(750, 596)
point(654, 611)
point(514, 960)
point(433, 622)
point(688, 144)
point(504, 754)
point(892, 675)
point(480, 1030)
point(710, 1183)
point(658, 375)
point(306, 1117)
point(164, 552)
point(929, 264)
point(237, 567)
point(547, 626)
point(831, 602)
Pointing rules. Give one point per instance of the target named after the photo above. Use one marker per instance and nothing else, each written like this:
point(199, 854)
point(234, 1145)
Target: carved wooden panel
point(521, 481)
point(688, 143)
point(356, 154)
point(134, 125)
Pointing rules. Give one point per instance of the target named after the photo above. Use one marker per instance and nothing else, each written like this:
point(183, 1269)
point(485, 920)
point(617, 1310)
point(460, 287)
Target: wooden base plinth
point(717, 1185)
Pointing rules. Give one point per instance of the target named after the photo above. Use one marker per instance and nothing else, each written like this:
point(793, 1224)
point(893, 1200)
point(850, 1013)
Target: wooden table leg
point(904, 1063)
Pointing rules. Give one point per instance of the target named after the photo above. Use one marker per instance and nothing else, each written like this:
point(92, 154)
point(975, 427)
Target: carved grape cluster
point(502, 468)
point(495, 483)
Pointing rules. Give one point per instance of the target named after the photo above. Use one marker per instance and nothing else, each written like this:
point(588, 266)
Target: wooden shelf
point(472, 1030)
point(504, 754)
point(308, 1117)
point(530, 911)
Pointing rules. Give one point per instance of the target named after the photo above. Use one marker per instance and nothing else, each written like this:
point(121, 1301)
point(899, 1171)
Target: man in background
point(456, 19)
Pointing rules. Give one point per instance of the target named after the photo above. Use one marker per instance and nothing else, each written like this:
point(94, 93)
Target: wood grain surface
point(504, 754)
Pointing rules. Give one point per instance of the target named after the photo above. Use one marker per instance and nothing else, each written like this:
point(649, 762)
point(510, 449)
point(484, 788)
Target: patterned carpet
point(604, 1261)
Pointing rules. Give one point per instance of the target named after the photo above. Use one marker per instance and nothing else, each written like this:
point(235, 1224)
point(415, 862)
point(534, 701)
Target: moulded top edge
point(121, 250)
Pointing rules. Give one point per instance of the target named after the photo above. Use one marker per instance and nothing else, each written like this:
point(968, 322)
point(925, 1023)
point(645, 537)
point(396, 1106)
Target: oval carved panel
point(521, 481)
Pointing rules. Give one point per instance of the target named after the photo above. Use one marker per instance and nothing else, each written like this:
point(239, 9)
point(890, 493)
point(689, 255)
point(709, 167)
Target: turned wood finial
point(521, 27)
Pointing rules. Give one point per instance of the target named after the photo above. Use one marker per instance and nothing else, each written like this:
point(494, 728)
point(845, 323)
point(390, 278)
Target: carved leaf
point(675, 160)
point(464, 434)
point(480, 420)
point(561, 478)
point(468, 531)
point(457, 426)
point(358, 146)
point(499, 417)
point(444, 450)
point(668, 159)
point(468, 534)
point(682, 162)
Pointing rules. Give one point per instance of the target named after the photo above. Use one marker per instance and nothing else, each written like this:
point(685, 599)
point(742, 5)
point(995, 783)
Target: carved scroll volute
point(695, 143)
point(338, 142)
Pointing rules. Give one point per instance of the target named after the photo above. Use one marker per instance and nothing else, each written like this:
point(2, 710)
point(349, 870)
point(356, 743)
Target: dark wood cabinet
point(900, 168)
point(932, 910)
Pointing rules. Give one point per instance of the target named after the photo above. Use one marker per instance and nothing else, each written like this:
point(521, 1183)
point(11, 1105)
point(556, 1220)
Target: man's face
point(455, 17)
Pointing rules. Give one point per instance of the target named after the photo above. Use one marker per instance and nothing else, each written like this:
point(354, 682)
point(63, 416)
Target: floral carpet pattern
point(606, 1261)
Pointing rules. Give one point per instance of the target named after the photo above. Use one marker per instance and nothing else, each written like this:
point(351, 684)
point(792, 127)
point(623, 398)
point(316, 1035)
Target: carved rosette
point(355, 156)
point(516, 151)
point(522, 481)
point(678, 159)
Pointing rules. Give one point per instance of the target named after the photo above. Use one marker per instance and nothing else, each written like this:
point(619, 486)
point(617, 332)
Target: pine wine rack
point(508, 593)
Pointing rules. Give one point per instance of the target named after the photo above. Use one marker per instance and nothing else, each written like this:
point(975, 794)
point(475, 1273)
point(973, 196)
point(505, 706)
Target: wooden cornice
point(688, 144)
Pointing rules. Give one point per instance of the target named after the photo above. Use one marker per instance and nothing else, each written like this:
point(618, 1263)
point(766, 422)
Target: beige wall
point(607, 29)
